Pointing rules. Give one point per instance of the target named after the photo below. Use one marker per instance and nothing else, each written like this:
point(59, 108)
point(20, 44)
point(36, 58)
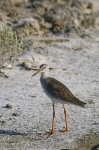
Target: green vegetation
point(10, 47)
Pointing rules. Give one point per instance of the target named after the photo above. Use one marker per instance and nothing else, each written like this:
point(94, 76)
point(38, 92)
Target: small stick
point(51, 40)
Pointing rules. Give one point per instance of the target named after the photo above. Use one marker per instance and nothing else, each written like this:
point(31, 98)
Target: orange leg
point(65, 113)
point(52, 130)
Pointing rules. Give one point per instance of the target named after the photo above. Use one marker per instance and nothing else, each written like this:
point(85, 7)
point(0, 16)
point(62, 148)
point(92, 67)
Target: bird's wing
point(58, 90)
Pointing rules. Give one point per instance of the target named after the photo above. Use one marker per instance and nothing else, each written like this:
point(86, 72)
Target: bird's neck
point(44, 75)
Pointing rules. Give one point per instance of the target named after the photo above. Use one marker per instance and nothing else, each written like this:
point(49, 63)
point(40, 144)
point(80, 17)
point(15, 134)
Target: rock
point(2, 122)
point(9, 66)
point(8, 106)
point(74, 14)
point(35, 17)
point(15, 114)
point(27, 26)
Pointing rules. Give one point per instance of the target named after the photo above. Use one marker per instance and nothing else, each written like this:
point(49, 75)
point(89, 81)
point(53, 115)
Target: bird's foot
point(49, 133)
point(66, 130)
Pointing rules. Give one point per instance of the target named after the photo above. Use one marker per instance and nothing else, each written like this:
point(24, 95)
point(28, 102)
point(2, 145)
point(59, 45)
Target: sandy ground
point(23, 126)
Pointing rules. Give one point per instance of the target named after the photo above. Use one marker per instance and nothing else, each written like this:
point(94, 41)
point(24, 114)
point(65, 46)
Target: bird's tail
point(82, 104)
point(79, 102)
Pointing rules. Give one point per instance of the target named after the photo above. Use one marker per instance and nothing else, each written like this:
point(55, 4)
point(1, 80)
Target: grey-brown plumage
point(57, 90)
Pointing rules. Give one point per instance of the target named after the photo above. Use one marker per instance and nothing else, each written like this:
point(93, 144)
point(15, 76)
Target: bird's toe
point(49, 132)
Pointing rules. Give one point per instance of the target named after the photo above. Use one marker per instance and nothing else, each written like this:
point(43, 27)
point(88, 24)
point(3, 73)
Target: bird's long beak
point(36, 73)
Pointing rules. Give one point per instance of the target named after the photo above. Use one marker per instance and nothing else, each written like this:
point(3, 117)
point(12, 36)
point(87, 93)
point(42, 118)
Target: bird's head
point(42, 68)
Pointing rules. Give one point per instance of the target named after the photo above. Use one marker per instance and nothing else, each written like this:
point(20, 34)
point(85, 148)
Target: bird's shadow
point(10, 132)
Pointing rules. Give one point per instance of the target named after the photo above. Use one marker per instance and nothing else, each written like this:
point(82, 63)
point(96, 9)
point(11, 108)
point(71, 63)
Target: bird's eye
point(43, 68)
